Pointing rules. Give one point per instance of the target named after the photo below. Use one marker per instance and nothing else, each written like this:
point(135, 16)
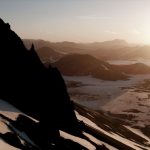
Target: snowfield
point(132, 103)
point(122, 99)
point(95, 93)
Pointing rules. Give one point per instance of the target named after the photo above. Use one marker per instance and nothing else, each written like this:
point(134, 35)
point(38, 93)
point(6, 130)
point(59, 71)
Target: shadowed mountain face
point(48, 54)
point(84, 64)
point(28, 85)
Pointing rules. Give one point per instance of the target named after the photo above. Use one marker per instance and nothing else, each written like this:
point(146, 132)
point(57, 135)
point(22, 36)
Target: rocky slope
point(99, 132)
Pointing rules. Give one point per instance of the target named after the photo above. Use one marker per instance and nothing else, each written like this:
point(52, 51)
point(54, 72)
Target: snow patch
point(138, 132)
point(3, 128)
point(5, 146)
point(112, 135)
point(8, 110)
point(106, 68)
point(98, 142)
point(81, 141)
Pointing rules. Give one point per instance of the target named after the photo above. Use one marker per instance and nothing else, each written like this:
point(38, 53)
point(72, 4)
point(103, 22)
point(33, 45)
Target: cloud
point(111, 32)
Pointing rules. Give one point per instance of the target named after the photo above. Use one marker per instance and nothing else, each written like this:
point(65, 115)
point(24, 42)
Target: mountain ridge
point(107, 50)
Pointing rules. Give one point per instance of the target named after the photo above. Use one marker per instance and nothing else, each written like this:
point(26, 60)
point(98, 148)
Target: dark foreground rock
point(37, 91)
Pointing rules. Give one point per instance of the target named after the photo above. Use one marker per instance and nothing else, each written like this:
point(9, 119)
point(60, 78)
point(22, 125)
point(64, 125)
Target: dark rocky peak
point(8, 37)
point(4, 25)
point(32, 48)
point(38, 91)
point(15, 60)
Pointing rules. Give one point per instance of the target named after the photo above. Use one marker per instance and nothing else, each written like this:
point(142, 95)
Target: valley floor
point(95, 93)
point(129, 99)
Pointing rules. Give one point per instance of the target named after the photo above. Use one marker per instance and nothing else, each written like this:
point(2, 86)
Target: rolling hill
point(84, 65)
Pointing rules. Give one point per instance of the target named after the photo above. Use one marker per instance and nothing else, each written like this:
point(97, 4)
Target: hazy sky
point(79, 20)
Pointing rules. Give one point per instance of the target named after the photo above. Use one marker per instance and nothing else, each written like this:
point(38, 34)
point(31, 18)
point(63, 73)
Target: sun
point(145, 33)
point(146, 39)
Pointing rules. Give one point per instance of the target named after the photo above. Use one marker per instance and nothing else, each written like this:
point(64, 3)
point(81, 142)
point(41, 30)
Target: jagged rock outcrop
point(37, 91)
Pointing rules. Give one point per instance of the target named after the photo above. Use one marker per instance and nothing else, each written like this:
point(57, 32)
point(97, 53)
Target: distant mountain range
point(121, 53)
point(107, 50)
point(81, 59)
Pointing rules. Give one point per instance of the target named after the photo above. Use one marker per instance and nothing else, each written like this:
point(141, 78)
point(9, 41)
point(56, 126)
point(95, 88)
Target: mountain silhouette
point(116, 49)
point(26, 83)
point(84, 64)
